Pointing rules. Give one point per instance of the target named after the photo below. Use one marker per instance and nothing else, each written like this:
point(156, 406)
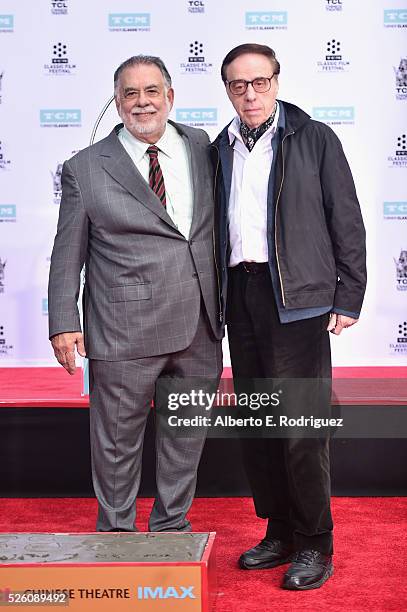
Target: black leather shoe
point(309, 570)
point(268, 553)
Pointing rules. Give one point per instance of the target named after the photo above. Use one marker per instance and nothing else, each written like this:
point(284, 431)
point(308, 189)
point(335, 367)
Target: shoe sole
point(264, 565)
point(316, 585)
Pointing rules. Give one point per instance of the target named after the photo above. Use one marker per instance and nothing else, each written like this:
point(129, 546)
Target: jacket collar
point(291, 119)
point(120, 166)
point(117, 163)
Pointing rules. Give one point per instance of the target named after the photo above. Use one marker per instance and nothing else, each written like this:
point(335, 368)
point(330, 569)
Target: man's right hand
point(64, 349)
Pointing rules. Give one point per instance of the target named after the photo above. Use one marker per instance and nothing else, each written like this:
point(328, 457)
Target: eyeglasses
point(260, 85)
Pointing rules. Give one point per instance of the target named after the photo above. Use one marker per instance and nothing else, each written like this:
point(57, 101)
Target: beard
point(156, 124)
point(147, 127)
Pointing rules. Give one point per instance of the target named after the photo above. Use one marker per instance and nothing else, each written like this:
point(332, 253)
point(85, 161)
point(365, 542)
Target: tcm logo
point(60, 116)
point(6, 23)
point(266, 18)
point(204, 115)
point(165, 593)
point(129, 20)
point(334, 113)
point(395, 209)
point(395, 16)
point(8, 211)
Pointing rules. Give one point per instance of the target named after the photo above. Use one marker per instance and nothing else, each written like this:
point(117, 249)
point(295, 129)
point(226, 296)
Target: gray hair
point(137, 60)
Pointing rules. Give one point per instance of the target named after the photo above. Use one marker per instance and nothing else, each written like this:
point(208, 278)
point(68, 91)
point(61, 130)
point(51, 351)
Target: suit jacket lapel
point(120, 166)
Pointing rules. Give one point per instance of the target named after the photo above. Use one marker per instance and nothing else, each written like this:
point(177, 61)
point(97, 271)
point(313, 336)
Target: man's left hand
point(338, 322)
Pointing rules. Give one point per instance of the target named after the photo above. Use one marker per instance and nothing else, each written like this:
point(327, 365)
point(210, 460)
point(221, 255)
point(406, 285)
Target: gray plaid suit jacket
point(143, 280)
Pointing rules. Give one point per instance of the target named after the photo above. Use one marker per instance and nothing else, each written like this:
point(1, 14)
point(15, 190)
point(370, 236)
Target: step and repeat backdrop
point(344, 62)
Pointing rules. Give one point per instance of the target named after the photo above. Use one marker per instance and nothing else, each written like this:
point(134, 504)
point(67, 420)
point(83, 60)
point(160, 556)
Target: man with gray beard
point(137, 209)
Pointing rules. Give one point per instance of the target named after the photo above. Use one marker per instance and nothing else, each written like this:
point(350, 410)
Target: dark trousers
point(289, 477)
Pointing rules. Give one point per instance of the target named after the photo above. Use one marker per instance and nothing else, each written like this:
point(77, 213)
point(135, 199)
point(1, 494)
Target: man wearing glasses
point(291, 248)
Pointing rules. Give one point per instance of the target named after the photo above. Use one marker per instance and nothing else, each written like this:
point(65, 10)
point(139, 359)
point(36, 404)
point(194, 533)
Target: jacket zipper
point(275, 220)
point(213, 238)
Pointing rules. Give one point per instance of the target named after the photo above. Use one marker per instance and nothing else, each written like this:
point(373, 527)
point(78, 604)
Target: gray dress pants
point(121, 393)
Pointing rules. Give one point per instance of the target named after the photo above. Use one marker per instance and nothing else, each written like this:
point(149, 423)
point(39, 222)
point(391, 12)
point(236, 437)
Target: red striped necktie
point(155, 175)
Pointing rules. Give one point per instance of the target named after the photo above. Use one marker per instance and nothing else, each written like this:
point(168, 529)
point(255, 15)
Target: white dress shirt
point(173, 159)
point(247, 210)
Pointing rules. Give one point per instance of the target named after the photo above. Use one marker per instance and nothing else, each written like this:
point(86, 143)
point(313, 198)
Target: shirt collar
point(234, 128)
point(139, 148)
point(165, 144)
